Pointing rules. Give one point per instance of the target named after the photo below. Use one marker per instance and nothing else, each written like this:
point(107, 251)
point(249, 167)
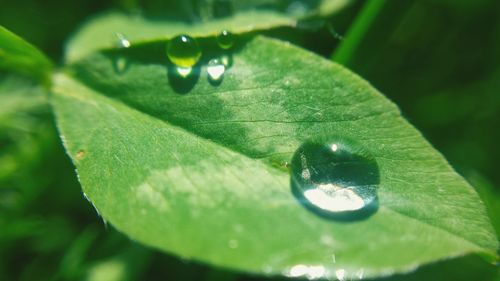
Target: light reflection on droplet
point(331, 197)
point(215, 69)
point(334, 147)
point(123, 42)
point(184, 71)
point(311, 272)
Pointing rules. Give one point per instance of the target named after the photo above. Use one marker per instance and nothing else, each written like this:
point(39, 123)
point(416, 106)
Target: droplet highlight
point(184, 71)
point(183, 51)
point(311, 272)
point(215, 70)
point(123, 42)
point(339, 178)
point(225, 39)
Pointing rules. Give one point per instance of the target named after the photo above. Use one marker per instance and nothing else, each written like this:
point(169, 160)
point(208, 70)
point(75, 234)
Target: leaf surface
point(197, 169)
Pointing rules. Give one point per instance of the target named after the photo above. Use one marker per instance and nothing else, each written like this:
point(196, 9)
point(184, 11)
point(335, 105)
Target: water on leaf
point(339, 177)
point(215, 69)
point(123, 42)
point(225, 39)
point(120, 63)
point(183, 51)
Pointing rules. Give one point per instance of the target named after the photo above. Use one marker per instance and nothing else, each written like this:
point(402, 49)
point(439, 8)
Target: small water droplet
point(225, 39)
point(123, 42)
point(335, 177)
point(183, 51)
point(215, 70)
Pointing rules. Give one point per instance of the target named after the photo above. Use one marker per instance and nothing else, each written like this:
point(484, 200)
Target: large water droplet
point(215, 70)
point(225, 39)
point(338, 178)
point(183, 51)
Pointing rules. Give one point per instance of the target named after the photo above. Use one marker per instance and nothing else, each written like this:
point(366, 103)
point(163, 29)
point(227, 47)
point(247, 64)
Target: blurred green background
point(438, 60)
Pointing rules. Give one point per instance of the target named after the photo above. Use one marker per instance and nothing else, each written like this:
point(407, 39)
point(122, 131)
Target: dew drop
point(225, 39)
point(183, 51)
point(120, 63)
point(215, 70)
point(335, 177)
point(123, 42)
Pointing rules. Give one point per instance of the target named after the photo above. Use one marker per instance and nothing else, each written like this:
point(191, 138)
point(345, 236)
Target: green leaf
point(100, 32)
point(20, 56)
point(196, 169)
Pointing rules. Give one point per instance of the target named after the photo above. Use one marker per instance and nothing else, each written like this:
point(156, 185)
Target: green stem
point(357, 31)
